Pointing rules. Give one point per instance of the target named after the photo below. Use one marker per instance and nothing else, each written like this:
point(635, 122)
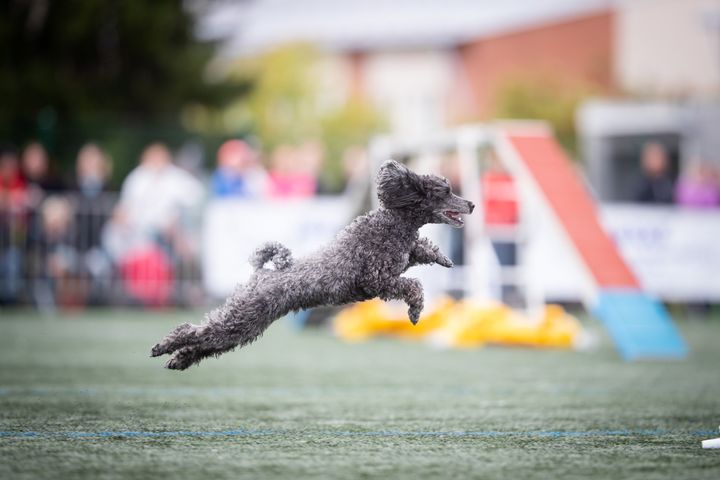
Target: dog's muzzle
point(452, 216)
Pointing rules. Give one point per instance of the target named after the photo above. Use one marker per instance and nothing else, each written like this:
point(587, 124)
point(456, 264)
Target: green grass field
point(79, 398)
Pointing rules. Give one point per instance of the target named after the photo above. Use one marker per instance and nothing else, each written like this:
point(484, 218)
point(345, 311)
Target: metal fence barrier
point(72, 251)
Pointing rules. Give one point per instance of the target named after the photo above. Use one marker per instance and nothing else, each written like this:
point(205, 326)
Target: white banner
point(234, 228)
point(674, 252)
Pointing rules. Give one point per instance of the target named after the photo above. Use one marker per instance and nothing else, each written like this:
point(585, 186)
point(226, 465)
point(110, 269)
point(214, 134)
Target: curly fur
point(274, 252)
point(365, 260)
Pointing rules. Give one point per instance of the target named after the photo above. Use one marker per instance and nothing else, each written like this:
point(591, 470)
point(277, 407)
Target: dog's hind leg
point(408, 290)
point(189, 334)
point(210, 339)
point(187, 356)
point(238, 322)
point(181, 336)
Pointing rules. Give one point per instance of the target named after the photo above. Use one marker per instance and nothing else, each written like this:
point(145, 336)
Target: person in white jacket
point(157, 193)
point(157, 206)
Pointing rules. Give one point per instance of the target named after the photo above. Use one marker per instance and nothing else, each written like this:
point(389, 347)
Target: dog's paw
point(157, 350)
point(414, 314)
point(178, 362)
point(184, 358)
point(178, 338)
point(444, 261)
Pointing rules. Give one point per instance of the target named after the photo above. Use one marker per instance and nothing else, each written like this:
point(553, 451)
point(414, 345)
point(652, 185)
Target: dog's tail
point(274, 252)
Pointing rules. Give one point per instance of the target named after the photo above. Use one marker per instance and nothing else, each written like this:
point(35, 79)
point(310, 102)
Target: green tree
point(281, 107)
point(88, 68)
point(353, 124)
point(286, 106)
point(542, 98)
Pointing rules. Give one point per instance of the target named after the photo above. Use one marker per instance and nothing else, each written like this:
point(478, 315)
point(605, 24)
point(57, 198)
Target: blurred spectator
point(13, 189)
point(92, 206)
point(239, 173)
point(40, 183)
point(37, 173)
point(500, 197)
point(156, 194)
point(190, 157)
point(500, 208)
point(12, 203)
point(57, 255)
point(655, 185)
point(152, 229)
point(92, 169)
point(119, 238)
point(148, 276)
point(294, 170)
point(698, 187)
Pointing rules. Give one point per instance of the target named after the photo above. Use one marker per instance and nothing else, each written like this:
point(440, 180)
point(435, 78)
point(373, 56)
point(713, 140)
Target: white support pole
point(469, 140)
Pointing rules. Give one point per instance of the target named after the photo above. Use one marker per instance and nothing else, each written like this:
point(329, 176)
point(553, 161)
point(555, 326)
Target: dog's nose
point(472, 206)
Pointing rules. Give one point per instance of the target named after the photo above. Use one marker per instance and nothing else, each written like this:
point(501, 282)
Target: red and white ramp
point(639, 325)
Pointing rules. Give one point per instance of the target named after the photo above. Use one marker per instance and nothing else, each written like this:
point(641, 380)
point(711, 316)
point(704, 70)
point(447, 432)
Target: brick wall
point(573, 51)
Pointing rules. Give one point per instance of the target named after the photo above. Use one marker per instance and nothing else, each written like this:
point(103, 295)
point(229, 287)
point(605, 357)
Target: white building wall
point(412, 88)
point(668, 47)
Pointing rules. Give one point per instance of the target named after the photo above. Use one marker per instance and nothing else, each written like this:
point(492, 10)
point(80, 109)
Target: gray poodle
point(365, 260)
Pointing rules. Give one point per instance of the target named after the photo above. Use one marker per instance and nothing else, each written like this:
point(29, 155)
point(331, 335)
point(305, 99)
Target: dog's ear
point(397, 186)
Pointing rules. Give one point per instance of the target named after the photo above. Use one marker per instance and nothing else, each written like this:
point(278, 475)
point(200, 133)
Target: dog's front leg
point(425, 252)
point(408, 290)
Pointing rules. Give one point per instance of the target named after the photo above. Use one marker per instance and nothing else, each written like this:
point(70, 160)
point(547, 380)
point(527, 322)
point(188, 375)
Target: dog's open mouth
point(452, 217)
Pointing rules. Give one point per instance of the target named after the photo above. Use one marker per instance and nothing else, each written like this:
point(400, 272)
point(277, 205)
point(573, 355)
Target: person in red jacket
point(500, 198)
point(13, 202)
point(501, 212)
point(13, 190)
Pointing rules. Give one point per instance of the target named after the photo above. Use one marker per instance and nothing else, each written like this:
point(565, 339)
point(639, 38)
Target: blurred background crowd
point(122, 121)
point(73, 235)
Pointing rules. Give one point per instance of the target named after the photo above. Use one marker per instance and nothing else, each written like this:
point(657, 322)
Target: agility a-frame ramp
point(553, 192)
point(639, 325)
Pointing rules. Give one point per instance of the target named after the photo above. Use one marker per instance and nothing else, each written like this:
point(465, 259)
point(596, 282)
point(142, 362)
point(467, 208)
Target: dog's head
point(429, 197)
